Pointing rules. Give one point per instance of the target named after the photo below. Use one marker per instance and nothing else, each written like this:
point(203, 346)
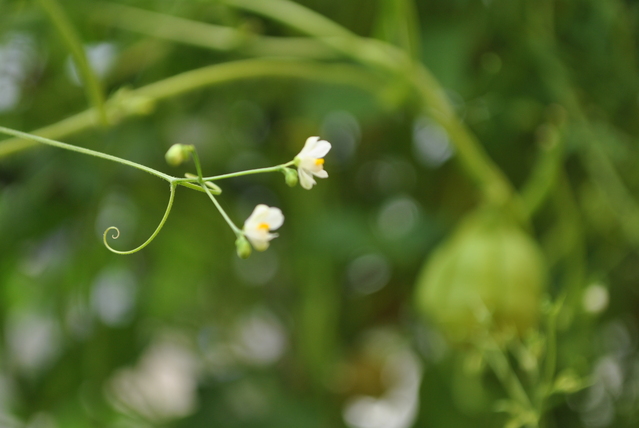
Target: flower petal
point(275, 218)
point(308, 145)
point(321, 173)
point(319, 149)
point(258, 244)
point(259, 215)
point(306, 179)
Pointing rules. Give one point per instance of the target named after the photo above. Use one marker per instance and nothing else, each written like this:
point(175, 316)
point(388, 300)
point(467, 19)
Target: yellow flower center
point(319, 161)
point(263, 226)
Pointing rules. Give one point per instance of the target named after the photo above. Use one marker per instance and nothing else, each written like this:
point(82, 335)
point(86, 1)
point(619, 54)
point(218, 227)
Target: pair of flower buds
point(259, 226)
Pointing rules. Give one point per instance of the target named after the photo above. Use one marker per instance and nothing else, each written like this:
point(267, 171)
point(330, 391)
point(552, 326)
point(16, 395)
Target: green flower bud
point(177, 154)
point(489, 273)
point(243, 247)
point(290, 175)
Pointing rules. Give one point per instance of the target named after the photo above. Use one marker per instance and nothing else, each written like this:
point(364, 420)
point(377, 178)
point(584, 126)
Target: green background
point(185, 334)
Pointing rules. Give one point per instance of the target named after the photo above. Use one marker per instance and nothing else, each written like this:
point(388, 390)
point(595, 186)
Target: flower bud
point(243, 247)
point(177, 154)
point(290, 175)
point(490, 266)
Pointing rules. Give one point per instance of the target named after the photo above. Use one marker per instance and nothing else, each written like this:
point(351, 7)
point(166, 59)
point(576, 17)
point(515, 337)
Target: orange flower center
point(264, 226)
point(319, 161)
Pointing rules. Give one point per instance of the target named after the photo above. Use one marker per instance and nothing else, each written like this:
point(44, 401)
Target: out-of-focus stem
point(92, 85)
point(556, 75)
point(191, 80)
point(498, 361)
point(545, 173)
point(206, 35)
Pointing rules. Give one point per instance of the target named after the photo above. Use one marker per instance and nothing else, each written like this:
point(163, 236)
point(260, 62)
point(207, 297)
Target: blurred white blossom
point(161, 387)
point(595, 298)
point(401, 375)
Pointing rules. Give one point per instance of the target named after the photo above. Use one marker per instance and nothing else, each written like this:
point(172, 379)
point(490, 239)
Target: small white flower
point(310, 161)
point(259, 224)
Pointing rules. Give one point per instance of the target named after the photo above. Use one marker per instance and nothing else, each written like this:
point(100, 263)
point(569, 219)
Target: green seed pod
point(490, 264)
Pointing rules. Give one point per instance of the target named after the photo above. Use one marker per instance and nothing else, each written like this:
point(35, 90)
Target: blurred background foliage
point(323, 329)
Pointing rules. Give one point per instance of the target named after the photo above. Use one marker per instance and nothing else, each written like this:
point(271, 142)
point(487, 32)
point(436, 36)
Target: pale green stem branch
point(89, 152)
point(91, 83)
point(228, 220)
point(293, 15)
point(250, 171)
point(205, 35)
point(198, 166)
point(200, 179)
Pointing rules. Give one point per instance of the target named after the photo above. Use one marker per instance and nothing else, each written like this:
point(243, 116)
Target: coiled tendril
point(116, 233)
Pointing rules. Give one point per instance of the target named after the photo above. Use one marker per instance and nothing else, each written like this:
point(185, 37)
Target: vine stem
point(65, 146)
point(205, 35)
point(198, 167)
point(152, 237)
point(228, 220)
point(92, 85)
point(277, 168)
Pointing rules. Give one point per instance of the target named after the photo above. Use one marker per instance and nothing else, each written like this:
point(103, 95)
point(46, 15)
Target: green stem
point(498, 361)
point(293, 15)
point(277, 168)
point(91, 83)
point(205, 35)
point(151, 238)
point(89, 152)
point(198, 167)
point(206, 76)
point(545, 173)
point(505, 373)
point(228, 220)
point(200, 179)
point(550, 364)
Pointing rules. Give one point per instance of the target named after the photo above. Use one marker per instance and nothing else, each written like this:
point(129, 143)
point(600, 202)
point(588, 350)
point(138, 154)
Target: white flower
point(259, 224)
point(310, 161)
